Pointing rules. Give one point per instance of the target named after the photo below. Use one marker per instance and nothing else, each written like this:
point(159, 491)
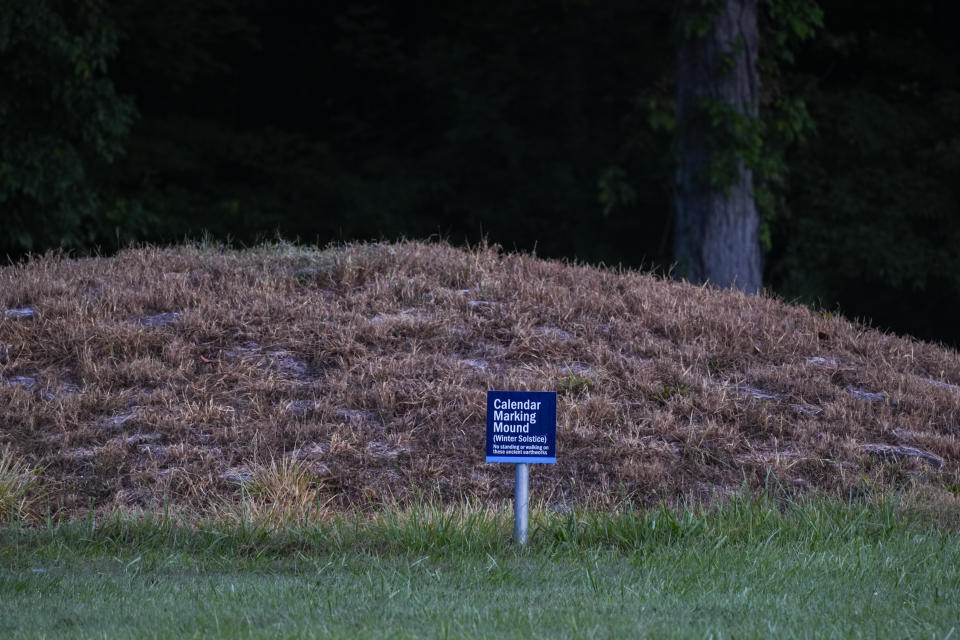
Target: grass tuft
point(278, 493)
point(22, 493)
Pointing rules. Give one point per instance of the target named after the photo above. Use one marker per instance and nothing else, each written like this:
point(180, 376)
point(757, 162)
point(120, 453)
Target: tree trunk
point(717, 225)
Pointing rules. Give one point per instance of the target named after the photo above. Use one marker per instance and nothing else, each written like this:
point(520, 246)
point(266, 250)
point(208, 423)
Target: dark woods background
point(539, 124)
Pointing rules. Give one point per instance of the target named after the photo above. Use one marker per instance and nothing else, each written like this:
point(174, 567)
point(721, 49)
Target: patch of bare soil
point(174, 375)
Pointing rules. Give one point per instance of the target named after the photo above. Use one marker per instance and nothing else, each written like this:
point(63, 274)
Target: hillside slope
point(167, 376)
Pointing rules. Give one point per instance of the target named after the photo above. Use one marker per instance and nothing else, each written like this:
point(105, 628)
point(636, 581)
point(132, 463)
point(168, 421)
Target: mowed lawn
point(749, 569)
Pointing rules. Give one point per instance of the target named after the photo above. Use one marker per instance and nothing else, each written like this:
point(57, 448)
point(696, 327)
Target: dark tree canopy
point(61, 120)
point(538, 125)
point(874, 212)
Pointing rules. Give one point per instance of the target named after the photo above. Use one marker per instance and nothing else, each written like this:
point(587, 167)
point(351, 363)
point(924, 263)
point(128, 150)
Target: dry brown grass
point(157, 376)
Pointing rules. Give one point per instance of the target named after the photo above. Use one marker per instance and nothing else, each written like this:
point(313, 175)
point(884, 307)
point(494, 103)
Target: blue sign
point(522, 426)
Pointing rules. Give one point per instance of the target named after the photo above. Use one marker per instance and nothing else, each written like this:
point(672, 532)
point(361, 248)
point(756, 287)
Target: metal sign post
point(522, 429)
point(521, 499)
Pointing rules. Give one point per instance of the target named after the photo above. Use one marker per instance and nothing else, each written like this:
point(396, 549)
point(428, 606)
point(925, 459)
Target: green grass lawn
point(747, 569)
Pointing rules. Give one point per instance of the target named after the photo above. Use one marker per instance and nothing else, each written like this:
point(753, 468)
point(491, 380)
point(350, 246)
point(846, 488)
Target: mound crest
point(168, 376)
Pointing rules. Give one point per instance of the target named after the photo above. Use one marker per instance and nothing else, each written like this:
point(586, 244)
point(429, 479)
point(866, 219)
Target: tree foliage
point(61, 120)
point(875, 220)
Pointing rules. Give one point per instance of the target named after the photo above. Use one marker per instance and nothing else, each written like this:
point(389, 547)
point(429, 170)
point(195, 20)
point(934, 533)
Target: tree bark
point(717, 225)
